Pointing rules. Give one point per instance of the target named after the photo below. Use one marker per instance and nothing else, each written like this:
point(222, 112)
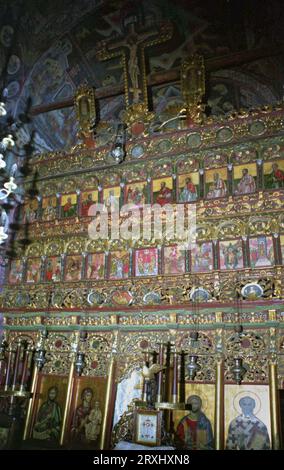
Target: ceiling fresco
point(52, 47)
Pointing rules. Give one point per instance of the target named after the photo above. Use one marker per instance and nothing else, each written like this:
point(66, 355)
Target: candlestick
point(160, 375)
point(27, 355)
point(16, 365)
point(175, 377)
point(9, 368)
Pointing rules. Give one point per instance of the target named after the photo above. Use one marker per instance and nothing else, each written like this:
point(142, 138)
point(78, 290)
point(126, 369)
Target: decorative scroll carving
point(193, 87)
point(85, 110)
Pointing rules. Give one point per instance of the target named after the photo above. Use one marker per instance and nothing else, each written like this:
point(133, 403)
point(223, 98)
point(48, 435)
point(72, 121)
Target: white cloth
point(124, 445)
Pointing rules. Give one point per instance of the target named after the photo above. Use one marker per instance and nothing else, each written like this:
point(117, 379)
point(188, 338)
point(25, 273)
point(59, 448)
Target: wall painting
point(31, 211)
point(73, 268)
point(87, 410)
point(244, 179)
point(88, 198)
point(247, 417)
point(261, 251)
point(69, 205)
point(49, 408)
point(53, 269)
point(202, 257)
point(162, 190)
point(136, 193)
point(146, 262)
point(33, 270)
point(49, 208)
point(174, 260)
point(188, 187)
point(231, 254)
point(95, 266)
point(216, 183)
point(194, 427)
point(16, 271)
point(111, 197)
point(273, 174)
point(119, 266)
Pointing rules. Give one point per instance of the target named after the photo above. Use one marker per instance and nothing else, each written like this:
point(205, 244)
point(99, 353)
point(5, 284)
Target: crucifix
point(131, 49)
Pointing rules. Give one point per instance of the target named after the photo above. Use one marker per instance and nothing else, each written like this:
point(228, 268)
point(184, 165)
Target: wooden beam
point(173, 75)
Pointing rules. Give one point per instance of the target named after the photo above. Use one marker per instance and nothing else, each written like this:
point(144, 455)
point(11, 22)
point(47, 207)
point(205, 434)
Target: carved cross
point(131, 50)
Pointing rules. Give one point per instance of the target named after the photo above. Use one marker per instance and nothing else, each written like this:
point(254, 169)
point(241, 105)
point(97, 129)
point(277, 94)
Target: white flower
point(3, 235)
point(3, 111)
point(8, 141)
point(2, 163)
point(11, 186)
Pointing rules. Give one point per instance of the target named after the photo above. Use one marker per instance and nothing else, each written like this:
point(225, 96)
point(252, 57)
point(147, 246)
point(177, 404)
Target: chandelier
point(6, 143)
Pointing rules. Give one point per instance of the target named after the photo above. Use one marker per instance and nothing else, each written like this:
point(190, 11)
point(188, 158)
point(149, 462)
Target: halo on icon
point(243, 394)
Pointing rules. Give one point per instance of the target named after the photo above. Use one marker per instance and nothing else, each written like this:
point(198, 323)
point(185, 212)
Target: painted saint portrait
point(231, 254)
point(49, 418)
point(261, 251)
point(73, 268)
point(273, 173)
point(136, 193)
point(16, 271)
point(188, 187)
point(86, 424)
point(88, 407)
point(33, 270)
point(247, 417)
point(119, 265)
point(252, 291)
point(202, 257)
point(31, 211)
point(49, 208)
point(245, 179)
point(146, 262)
point(88, 199)
point(68, 205)
point(95, 266)
point(111, 198)
point(162, 191)
point(174, 260)
point(53, 269)
point(247, 431)
point(216, 183)
point(194, 431)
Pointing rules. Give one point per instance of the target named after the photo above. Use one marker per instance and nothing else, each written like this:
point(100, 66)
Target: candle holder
point(79, 363)
point(3, 349)
point(40, 358)
point(238, 370)
point(193, 367)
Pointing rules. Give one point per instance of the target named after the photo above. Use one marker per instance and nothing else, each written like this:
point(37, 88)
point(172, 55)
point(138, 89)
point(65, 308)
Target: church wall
point(98, 310)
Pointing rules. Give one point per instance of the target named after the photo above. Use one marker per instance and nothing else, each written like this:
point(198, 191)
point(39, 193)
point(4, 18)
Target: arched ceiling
point(51, 48)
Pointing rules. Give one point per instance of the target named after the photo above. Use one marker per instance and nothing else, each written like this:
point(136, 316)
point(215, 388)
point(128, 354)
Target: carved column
point(109, 392)
point(274, 405)
point(160, 375)
point(27, 430)
point(175, 377)
point(74, 348)
point(219, 405)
